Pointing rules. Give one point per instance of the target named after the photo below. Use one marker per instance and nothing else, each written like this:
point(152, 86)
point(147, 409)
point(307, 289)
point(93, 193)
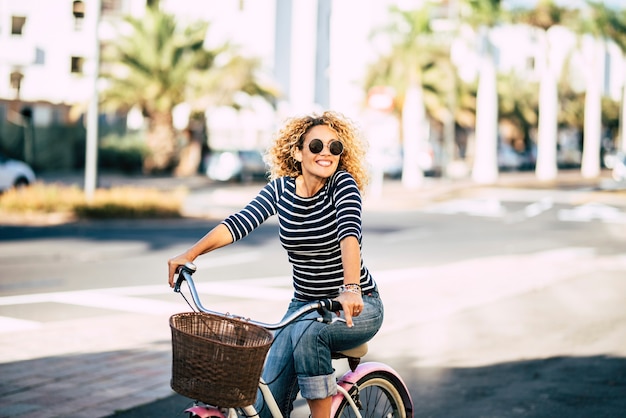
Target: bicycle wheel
point(378, 395)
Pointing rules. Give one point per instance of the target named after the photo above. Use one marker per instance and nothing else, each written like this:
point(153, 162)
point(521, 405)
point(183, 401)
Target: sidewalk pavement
point(93, 367)
point(568, 187)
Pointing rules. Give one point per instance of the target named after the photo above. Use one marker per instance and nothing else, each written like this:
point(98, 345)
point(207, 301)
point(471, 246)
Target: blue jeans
point(300, 356)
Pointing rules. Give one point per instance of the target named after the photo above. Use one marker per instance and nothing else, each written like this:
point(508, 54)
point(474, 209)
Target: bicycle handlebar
point(186, 271)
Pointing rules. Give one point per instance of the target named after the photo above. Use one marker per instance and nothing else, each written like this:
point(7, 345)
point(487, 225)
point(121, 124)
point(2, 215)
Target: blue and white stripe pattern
point(310, 230)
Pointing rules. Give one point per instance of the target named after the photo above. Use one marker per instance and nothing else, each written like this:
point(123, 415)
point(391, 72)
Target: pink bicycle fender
point(351, 377)
point(205, 412)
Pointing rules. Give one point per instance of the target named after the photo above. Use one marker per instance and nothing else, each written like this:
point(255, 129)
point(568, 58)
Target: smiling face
point(323, 164)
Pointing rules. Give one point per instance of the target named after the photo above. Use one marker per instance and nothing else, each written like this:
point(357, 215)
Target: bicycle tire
point(378, 395)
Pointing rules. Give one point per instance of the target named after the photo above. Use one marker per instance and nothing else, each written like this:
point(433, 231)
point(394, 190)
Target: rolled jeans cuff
point(317, 387)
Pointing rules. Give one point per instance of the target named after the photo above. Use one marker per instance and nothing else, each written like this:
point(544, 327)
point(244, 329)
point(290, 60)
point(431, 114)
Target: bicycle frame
point(344, 384)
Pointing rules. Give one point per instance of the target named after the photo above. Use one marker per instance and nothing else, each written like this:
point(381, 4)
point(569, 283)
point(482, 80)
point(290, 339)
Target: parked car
point(14, 173)
point(508, 158)
point(391, 161)
point(236, 165)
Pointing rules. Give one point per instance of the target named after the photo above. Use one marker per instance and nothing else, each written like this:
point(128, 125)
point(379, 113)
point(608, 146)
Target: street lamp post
point(91, 151)
point(449, 128)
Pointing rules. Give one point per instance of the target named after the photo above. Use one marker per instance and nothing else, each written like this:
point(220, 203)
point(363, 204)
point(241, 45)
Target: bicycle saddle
point(356, 352)
point(353, 355)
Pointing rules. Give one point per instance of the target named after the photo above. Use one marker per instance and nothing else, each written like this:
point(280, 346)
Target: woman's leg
point(320, 408)
point(316, 341)
point(279, 373)
point(303, 349)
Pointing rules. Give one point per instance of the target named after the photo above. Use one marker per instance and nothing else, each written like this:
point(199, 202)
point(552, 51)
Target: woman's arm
point(351, 260)
point(233, 228)
point(351, 300)
point(216, 238)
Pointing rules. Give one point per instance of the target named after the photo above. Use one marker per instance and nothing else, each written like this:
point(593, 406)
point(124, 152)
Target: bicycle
point(367, 390)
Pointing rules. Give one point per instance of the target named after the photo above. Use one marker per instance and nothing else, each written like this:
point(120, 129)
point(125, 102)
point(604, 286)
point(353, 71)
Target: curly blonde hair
point(281, 159)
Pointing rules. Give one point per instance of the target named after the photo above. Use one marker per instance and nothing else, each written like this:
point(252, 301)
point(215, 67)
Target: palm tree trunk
point(485, 168)
point(546, 168)
point(590, 166)
point(413, 132)
point(161, 143)
point(622, 126)
point(190, 158)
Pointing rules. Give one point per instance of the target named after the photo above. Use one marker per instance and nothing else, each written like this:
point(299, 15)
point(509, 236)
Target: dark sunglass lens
point(316, 146)
point(335, 147)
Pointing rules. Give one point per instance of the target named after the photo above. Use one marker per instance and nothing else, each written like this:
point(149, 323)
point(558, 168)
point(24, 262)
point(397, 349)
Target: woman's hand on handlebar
point(352, 304)
point(173, 264)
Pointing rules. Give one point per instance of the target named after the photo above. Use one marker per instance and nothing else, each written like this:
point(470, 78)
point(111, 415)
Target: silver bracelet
point(351, 288)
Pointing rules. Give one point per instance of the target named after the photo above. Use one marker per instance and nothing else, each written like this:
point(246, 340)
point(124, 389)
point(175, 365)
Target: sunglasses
point(335, 147)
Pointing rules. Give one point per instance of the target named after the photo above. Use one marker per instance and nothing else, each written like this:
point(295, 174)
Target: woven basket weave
point(217, 360)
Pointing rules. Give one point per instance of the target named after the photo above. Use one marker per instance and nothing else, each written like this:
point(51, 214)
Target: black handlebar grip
point(184, 272)
point(179, 281)
point(332, 305)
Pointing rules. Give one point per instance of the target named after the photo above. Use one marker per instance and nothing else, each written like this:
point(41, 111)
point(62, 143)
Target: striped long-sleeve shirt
point(310, 230)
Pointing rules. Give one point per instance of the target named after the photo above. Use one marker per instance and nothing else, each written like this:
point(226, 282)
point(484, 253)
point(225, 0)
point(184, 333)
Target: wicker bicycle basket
point(217, 360)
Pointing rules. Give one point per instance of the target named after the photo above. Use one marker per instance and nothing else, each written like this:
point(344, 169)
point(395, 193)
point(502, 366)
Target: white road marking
point(537, 208)
point(592, 211)
point(13, 324)
point(530, 211)
point(442, 291)
point(438, 290)
point(475, 207)
point(493, 208)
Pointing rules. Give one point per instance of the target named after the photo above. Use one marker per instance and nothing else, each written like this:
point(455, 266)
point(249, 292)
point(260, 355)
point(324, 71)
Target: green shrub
point(117, 202)
point(131, 203)
point(40, 198)
point(122, 153)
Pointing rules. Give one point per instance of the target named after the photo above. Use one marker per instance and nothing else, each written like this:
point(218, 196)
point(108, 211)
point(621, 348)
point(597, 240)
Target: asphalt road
point(522, 320)
point(499, 303)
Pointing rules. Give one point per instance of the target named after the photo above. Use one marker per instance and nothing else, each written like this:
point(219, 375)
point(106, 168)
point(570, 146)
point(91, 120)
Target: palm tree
point(149, 67)
point(485, 14)
point(614, 23)
point(402, 68)
point(543, 17)
point(597, 24)
point(157, 64)
point(592, 55)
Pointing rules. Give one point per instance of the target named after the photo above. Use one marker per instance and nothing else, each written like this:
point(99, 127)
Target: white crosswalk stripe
point(592, 211)
point(494, 208)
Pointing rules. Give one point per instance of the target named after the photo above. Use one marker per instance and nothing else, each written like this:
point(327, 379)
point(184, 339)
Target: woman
point(317, 174)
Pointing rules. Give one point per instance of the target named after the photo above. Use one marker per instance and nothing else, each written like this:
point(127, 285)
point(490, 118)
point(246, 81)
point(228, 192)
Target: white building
point(47, 46)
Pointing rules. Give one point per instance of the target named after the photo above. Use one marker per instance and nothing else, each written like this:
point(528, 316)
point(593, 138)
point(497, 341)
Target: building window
point(78, 10)
point(40, 56)
point(77, 65)
point(111, 7)
point(17, 25)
